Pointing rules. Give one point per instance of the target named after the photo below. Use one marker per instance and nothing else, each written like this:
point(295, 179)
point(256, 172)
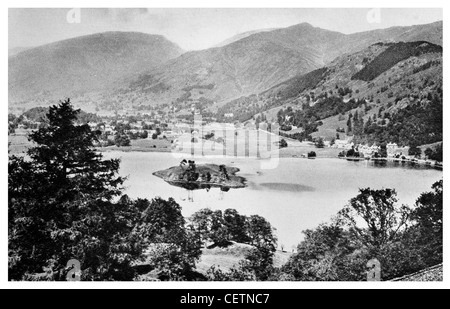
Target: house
point(340, 144)
point(168, 133)
point(392, 149)
point(367, 150)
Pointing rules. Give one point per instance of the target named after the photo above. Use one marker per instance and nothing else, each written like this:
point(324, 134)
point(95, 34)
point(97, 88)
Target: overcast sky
point(195, 29)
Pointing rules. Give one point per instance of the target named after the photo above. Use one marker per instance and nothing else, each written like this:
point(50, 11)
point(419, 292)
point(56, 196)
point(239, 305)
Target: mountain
point(15, 50)
point(241, 36)
point(393, 89)
point(84, 64)
point(257, 62)
point(121, 69)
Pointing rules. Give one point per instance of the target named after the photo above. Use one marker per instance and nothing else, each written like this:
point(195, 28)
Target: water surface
point(297, 195)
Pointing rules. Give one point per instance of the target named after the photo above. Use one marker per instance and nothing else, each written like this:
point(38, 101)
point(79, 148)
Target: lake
point(296, 195)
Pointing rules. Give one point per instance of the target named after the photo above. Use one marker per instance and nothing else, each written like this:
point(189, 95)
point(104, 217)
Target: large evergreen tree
point(61, 206)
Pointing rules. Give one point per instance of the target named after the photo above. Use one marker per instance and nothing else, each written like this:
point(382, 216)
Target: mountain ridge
point(86, 63)
point(247, 66)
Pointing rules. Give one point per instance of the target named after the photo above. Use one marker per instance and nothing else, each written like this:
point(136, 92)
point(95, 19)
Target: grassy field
point(297, 149)
point(18, 143)
point(226, 258)
point(143, 145)
point(328, 129)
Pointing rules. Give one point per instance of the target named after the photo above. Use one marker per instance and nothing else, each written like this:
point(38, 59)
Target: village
point(165, 133)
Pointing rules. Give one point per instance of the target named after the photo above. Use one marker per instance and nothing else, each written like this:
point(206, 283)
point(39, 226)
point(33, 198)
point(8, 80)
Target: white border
point(209, 4)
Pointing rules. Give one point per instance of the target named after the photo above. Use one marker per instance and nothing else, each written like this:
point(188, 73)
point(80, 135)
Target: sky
point(194, 29)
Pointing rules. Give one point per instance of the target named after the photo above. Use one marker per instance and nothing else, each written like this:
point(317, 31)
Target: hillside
point(258, 62)
point(397, 85)
point(133, 71)
point(15, 50)
point(84, 64)
point(240, 36)
point(243, 67)
point(393, 55)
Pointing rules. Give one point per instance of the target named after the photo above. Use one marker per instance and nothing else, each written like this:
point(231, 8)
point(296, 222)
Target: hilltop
point(111, 71)
point(84, 64)
point(259, 61)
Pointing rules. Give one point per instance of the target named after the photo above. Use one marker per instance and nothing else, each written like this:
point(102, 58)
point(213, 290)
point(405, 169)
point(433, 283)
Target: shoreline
point(280, 155)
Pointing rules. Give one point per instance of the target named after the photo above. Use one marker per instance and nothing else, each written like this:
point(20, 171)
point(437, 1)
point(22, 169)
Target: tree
point(319, 143)
point(352, 153)
point(435, 154)
point(121, 140)
point(383, 218)
point(236, 226)
point(349, 123)
point(383, 150)
point(260, 233)
point(312, 154)
point(429, 217)
point(60, 206)
point(219, 233)
point(428, 152)
point(327, 253)
point(173, 248)
point(201, 222)
point(144, 134)
point(414, 151)
point(283, 143)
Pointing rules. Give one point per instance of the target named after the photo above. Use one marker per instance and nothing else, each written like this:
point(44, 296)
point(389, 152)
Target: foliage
point(283, 143)
point(429, 217)
point(309, 117)
point(379, 212)
point(312, 154)
point(121, 140)
point(395, 53)
point(319, 143)
point(414, 151)
point(298, 84)
point(60, 206)
point(65, 203)
point(416, 124)
point(404, 241)
point(219, 228)
point(436, 153)
point(327, 253)
point(236, 226)
point(173, 247)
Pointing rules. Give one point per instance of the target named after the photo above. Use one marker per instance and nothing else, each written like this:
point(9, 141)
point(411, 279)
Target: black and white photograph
point(225, 144)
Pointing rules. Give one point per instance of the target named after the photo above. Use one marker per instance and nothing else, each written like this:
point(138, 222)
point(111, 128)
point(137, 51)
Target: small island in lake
point(191, 176)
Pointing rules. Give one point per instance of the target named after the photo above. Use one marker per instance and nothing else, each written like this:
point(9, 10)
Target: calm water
point(297, 195)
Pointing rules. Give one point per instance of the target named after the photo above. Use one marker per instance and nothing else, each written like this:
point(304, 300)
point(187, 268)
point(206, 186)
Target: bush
point(121, 140)
point(319, 143)
point(283, 143)
point(311, 154)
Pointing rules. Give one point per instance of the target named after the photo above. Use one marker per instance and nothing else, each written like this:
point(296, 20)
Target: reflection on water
point(281, 186)
point(192, 186)
point(297, 195)
point(197, 186)
point(396, 164)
